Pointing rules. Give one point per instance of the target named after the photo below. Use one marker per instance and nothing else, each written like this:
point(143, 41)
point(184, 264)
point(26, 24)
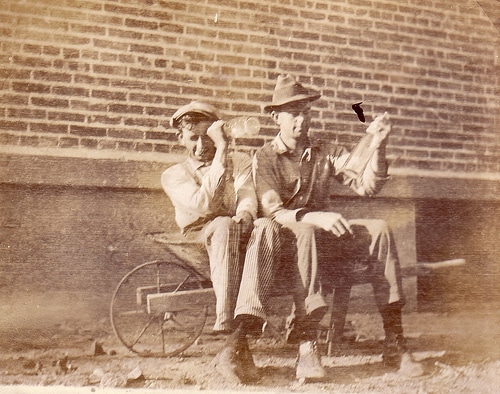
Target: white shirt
point(200, 193)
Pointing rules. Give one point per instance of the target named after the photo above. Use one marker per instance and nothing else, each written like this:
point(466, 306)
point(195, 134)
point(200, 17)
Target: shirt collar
point(280, 147)
point(196, 164)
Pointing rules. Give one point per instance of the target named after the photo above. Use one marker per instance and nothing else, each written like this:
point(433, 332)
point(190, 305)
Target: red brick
point(46, 102)
point(70, 91)
point(13, 125)
point(9, 139)
point(110, 70)
point(66, 116)
point(87, 131)
point(145, 74)
point(142, 122)
point(89, 143)
point(30, 61)
point(109, 95)
point(156, 50)
point(162, 148)
point(126, 134)
point(120, 108)
point(30, 113)
point(48, 128)
point(144, 147)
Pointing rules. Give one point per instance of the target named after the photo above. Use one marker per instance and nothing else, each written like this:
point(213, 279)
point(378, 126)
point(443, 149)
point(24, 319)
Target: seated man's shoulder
point(174, 169)
point(241, 157)
point(269, 148)
point(173, 173)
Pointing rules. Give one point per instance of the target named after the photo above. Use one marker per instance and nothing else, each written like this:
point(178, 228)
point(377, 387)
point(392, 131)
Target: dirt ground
point(459, 349)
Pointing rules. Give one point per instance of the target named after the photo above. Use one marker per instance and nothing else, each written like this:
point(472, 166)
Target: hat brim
point(294, 99)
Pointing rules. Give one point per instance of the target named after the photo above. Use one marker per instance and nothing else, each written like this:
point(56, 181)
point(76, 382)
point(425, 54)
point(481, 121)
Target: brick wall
point(106, 74)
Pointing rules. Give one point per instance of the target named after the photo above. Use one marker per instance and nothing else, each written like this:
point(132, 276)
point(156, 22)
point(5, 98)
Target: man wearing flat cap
point(214, 199)
point(293, 175)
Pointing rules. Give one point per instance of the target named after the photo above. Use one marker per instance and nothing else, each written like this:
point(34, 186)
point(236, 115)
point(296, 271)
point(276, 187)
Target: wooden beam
point(180, 300)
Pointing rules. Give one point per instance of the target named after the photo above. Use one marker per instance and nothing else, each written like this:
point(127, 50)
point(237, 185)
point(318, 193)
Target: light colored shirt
point(290, 182)
point(200, 193)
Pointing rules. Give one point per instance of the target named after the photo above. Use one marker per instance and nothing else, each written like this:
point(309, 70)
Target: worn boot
point(309, 362)
point(300, 328)
point(235, 362)
point(228, 364)
point(251, 373)
point(397, 356)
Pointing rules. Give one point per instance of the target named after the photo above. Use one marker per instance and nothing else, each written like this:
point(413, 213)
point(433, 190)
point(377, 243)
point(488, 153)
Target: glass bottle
point(242, 127)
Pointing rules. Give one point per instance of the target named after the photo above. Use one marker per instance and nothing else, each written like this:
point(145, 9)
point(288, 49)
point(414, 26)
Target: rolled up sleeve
point(246, 198)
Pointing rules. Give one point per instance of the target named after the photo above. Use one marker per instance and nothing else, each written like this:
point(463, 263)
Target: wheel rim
point(156, 334)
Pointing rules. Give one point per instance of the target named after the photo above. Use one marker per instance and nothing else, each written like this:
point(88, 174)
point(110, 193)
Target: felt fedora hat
point(288, 90)
point(194, 107)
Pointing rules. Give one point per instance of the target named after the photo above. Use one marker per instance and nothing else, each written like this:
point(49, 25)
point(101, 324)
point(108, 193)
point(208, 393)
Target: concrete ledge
point(22, 166)
point(87, 169)
point(436, 186)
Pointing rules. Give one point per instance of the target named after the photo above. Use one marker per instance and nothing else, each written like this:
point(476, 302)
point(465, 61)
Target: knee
point(222, 223)
point(220, 228)
point(380, 226)
point(266, 226)
point(304, 230)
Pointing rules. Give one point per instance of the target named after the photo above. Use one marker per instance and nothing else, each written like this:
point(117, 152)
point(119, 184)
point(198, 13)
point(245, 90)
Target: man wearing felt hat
point(293, 175)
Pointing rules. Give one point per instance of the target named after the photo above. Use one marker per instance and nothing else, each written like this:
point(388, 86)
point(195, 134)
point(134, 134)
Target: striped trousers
point(225, 245)
point(306, 261)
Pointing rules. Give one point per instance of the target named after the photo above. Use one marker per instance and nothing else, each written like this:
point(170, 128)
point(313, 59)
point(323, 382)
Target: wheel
point(159, 329)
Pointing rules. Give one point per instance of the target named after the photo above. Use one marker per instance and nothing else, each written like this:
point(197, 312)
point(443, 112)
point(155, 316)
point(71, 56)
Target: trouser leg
point(383, 256)
point(373, 244)
point(385, 273)
point(222, 240)
point(259, 269)
point(300, 266)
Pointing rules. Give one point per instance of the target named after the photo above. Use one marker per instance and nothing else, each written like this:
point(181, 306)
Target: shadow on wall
point(459, 229)
point(64, 250)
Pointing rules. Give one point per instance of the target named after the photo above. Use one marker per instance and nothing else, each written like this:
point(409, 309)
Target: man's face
point(294, 120)
point(195, 139)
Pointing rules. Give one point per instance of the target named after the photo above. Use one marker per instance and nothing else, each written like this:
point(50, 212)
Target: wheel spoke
point(163, 334)
point(151, 319)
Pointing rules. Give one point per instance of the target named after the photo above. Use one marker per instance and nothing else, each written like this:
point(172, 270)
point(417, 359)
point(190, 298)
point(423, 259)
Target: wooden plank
point(415, 270)
point(427, 268)
point(180, 300)
point(142, 291)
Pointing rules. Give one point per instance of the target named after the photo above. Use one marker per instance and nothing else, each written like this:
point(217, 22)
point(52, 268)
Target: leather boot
point(309, 362)
point(235, 363)
point(251, 373)
point(305, 328)
point(397, 356)
point(228, 364)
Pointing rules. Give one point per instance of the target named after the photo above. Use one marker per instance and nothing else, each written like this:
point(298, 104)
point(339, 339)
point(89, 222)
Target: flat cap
point(196, 107)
